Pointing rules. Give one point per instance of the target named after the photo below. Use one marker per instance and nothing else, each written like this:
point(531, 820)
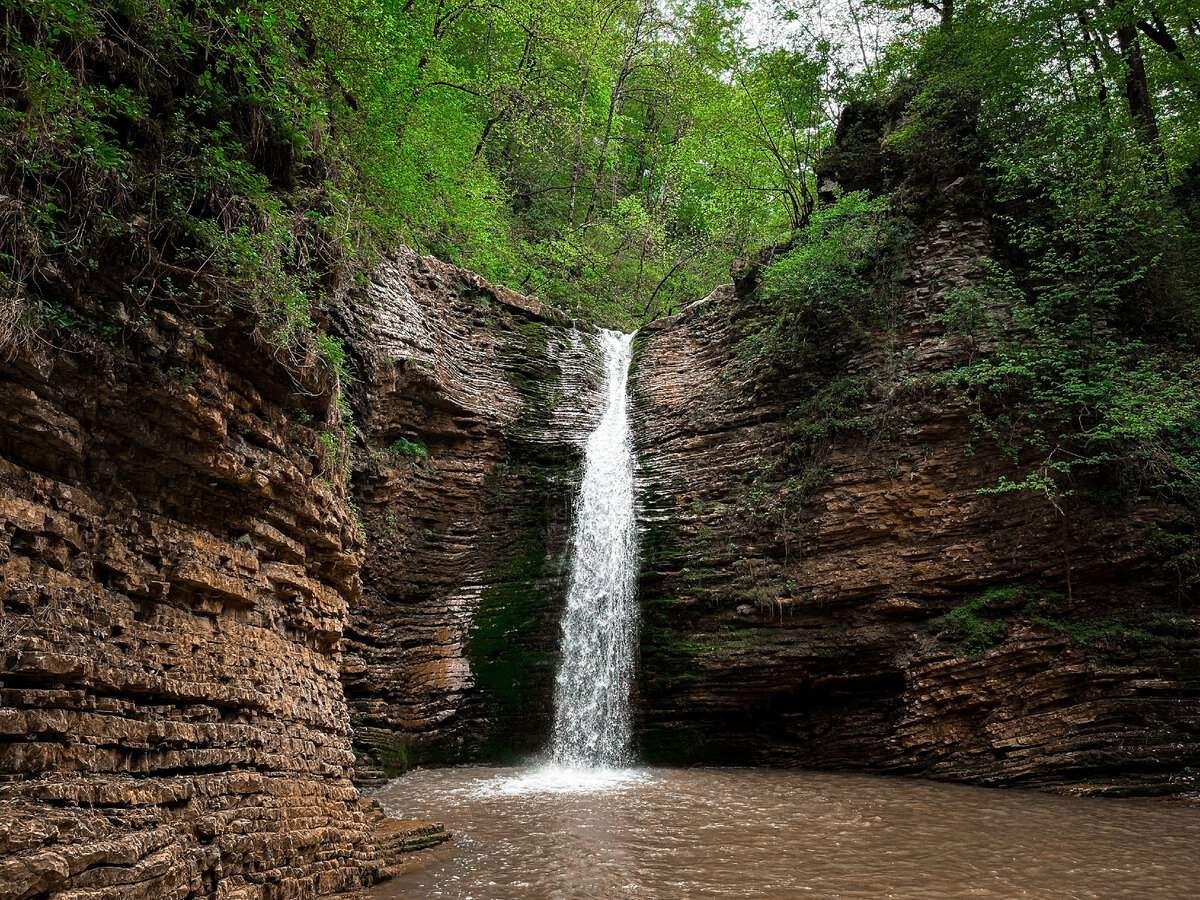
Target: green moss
point(1140, 628)
point(509, 666)
point(1093, 633)
point(721, 642)
point(973, 626)
point(395, 757)
point(532, 372)
point(1172, 625)
point(981, 622)
point(535, 334)
point(1004, 595)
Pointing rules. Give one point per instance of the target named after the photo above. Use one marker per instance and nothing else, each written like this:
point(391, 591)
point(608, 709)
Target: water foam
point(559, 779)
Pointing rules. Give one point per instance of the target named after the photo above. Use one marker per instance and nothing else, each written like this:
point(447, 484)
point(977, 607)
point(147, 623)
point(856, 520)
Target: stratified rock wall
point(474, 403)
point(181, 557)
point(188, 585)
point(176, 561)
point(811, 634)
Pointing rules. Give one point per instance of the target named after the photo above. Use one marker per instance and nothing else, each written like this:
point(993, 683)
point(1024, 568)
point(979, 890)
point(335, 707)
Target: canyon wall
point(891, 617)
point(187, 539)
point(473, 403)
point(177, 563)
point(215, 614)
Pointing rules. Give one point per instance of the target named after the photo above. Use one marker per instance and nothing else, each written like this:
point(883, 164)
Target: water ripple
point(553, 833)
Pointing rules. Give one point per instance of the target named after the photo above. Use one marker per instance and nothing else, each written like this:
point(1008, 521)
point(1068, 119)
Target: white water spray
point(592, 721)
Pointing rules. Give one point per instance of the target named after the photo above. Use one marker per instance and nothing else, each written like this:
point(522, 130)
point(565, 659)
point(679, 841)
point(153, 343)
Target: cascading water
point(592, 724)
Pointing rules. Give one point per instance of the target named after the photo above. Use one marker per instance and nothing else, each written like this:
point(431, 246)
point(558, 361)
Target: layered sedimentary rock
point(177, 563)
point(894, 618)
point(473, 404)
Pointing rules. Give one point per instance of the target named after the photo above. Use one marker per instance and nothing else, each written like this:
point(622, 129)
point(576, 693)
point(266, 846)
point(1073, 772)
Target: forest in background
point(615, 158)
point(610, 156)
point(593, 153)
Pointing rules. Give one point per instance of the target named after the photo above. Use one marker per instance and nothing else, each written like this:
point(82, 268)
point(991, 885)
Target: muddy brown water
point(721, 833)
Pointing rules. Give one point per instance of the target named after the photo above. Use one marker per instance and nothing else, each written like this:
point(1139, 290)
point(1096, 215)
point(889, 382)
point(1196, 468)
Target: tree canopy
point(610, 156)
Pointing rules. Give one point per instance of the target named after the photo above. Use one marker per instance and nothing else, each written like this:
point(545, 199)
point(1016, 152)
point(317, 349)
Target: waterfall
point(592, 722)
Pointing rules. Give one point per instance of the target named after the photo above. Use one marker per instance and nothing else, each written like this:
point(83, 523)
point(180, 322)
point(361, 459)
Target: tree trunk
point(614, 104)
point(1097, 65)
point(1137, 88)
point(577, 161)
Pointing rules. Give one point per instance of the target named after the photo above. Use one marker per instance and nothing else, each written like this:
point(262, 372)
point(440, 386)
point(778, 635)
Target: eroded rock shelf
point(177, 566)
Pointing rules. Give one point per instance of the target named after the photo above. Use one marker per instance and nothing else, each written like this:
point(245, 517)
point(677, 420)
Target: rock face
point(177, 562)
point(893, 618)
point(202, 623)
point(183, 566)
point(474, 404)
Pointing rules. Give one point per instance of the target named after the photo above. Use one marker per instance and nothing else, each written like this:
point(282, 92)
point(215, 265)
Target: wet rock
point(179, 561)
point(812, 632)
point(473, 404)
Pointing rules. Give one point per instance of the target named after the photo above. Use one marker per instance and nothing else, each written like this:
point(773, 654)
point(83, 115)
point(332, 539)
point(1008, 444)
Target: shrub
point(402, 446)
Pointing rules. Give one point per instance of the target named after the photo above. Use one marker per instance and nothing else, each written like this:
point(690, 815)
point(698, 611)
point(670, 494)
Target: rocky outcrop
point(473, 404)
point(183, 567)
point(177, 562)
point(867, 607)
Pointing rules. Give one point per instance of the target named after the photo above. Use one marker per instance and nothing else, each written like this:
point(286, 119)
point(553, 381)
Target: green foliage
point(260, 154)
point(830, 288)
point(1087, 331)
point(55, 317)
point(1177, 546)
point(184, 184)
point(1079, 378)
point(1094, 633)
point(402, 446)
point(816, 304)
point(249, 159)
point(972, 625)
point(333, 452)
point(831, 255)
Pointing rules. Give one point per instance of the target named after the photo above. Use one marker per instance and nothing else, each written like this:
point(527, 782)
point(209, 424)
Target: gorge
point(149, 777)
point(521, 450)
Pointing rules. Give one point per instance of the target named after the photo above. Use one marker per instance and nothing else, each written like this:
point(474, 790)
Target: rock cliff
point(187, 541)
point(473, 403)
point(893, 618)
point(214, 616)
point(177, 562)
